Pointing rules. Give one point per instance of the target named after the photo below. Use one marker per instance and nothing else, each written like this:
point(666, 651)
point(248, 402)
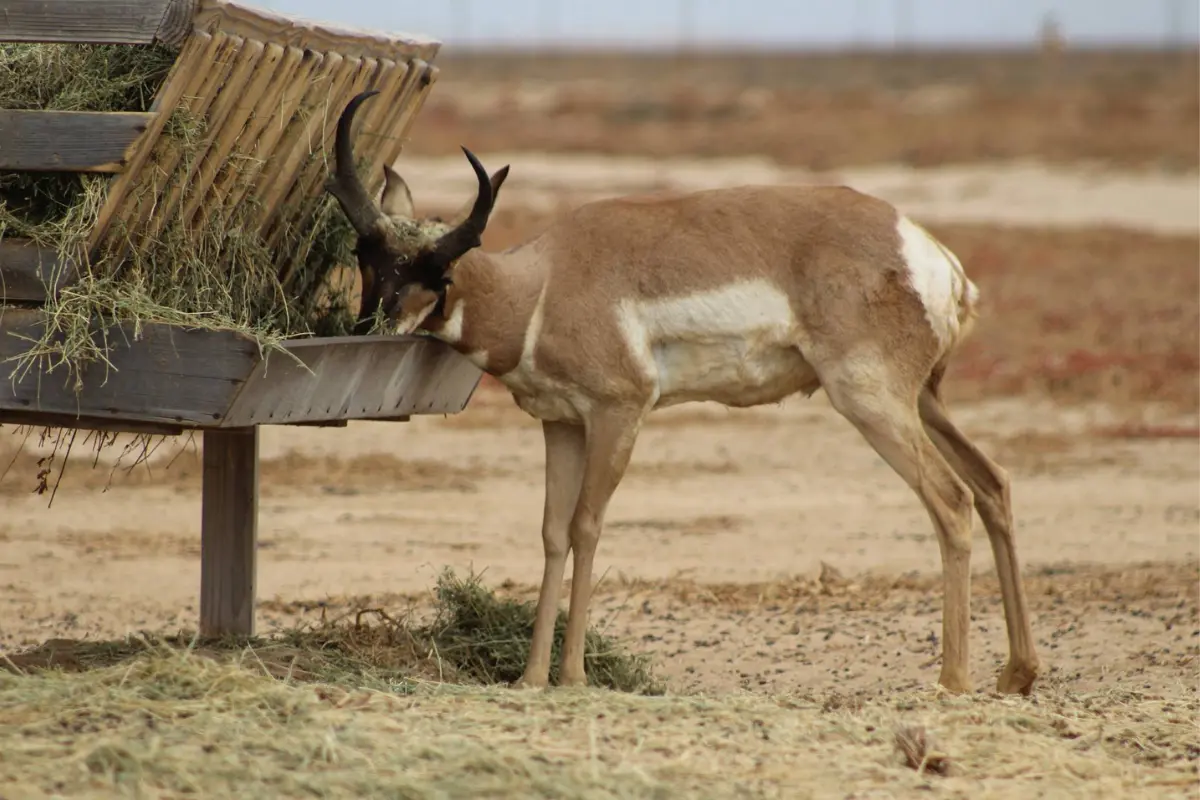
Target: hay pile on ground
point(471, 637)
point(213, 270)
point(172, 722)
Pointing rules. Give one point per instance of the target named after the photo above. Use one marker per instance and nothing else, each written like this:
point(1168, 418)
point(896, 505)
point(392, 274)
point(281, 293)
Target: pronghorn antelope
point(742, 296)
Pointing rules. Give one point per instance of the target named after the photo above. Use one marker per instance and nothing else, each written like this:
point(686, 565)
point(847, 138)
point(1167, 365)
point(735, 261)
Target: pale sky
point(767, 22)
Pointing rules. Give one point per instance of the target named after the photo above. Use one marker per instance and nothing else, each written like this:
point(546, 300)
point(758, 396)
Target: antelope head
point(406, 262)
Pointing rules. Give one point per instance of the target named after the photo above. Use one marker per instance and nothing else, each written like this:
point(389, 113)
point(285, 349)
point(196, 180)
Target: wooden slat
point(217, 97)
point(240, 131)
point(376, 125)
point(309, 142)
point(392, 128)
point(184, 77)
point(145, 207)
point(313, 171)
point(68, 141)
point(229, 532)
point(390, 80)
point(259, 23)
point(29, 272)
point(285, 158)
point(426, 75)
point(355, 377)
point(170, 375)
point(278, 118)
point(96, 21)
point(227, 121)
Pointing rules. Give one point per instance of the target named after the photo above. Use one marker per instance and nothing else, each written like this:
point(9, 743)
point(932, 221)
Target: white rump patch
point(937, 277)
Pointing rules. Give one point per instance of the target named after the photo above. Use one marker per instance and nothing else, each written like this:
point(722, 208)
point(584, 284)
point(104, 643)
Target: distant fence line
point(462, 29)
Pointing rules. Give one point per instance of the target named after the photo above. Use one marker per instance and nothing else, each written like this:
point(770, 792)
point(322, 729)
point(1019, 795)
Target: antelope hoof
point(955, 682)
point(567, 680)
point(1017, 678)
point(529, 683)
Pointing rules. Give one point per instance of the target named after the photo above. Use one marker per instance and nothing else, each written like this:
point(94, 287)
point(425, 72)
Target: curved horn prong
point(366, 217)
point(497, 180)
point(467, 235)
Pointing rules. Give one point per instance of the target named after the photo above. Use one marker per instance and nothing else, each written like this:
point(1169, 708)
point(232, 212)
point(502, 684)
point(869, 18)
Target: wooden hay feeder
point(269, 88)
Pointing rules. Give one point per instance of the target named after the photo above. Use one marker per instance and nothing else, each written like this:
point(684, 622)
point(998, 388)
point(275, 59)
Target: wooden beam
point(268, 26)
point(190, 378)
point(37, 420)
point(69, 141)
point(164, 374)
point(97, 21)
point(29, 273)
point(229, 532)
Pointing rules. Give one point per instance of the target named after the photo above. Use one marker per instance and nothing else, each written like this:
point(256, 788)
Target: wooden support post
point(229, 532)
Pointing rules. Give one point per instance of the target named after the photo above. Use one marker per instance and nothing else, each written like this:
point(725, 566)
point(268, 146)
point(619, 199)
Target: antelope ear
point(397, 199)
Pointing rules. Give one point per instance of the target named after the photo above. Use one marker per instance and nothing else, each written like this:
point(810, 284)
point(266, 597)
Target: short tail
point(968, 308)
point(968, 313)
point(967, 297)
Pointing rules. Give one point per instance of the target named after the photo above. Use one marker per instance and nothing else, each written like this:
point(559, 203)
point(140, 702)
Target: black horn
point(366, 217)
point(469, 234)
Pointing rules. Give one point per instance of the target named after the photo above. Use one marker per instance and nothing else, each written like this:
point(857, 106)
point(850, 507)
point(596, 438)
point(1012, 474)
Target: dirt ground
point(713, 553)
point(768, 549)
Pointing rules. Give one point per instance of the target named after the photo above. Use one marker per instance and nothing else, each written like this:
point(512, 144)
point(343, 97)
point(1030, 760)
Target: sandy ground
point(713, 554)
point(1025, 193)
point(714, 497)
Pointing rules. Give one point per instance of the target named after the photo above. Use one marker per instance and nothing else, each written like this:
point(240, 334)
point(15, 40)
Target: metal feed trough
point(268, 87)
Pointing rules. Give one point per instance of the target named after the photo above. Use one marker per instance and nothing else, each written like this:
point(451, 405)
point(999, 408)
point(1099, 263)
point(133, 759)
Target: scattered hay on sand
point(373, 705)
point(168, 721)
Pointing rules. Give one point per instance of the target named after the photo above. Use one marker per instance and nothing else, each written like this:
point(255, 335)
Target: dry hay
point(69, 77)
point(471, 636)
point(168, 721)
point(378, 705)
point(214, 271)
point(57, 446)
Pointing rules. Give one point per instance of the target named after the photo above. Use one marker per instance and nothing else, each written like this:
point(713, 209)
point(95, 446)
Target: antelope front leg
point(611, 434)
point(564, 470)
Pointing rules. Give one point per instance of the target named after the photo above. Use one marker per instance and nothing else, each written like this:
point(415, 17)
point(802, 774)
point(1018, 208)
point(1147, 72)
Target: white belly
point(729, 371)
point(736, 345)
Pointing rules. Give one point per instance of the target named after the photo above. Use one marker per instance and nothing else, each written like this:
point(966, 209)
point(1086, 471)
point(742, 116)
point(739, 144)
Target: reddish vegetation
point(825, 110)
point(1106, 315)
